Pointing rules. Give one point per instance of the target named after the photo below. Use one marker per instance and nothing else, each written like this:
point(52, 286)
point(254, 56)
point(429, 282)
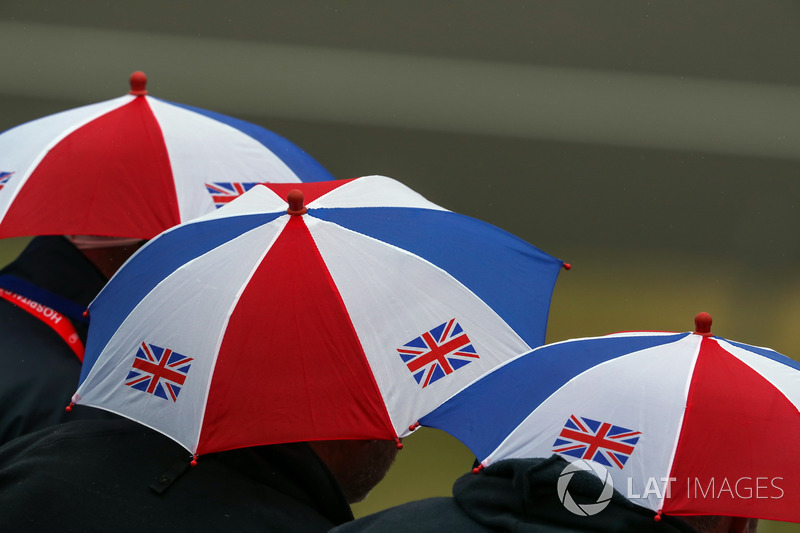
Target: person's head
point(106, 253)
point(358, 465)
point(722, 524)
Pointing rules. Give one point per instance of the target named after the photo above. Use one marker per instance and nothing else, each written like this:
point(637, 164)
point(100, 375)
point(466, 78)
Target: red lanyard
point(52, 318)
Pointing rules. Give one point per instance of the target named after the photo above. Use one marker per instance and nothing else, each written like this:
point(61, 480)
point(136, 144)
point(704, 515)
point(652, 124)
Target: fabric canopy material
point(314, 311)
point(684, 423)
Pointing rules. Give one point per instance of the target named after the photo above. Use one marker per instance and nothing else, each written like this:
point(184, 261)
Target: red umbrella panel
point(134, 166)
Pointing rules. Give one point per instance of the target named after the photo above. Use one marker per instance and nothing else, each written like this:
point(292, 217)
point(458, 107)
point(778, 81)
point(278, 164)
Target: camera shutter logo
point(585, 509)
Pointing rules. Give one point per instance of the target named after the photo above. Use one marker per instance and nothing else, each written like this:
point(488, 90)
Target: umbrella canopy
point(134, 166)
point(684, 423)
point(330, 310)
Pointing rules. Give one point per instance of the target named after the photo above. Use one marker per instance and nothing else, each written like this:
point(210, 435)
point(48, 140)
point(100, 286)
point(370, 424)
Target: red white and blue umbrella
point(329, 310)
point(684, 423)
point(134, 166)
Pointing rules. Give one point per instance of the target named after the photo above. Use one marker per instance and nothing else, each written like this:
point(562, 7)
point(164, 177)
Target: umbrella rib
point(156, 123)
point(683, 414)
point(63, 134)
point(234, 302)
point(486, 461)
point(374, 383)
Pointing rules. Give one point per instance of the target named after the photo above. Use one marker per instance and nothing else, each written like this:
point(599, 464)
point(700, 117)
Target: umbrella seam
point(177, 207)
point(346, 313)
point(229, 313)
point(404, 430)
point(33, 165)
point(683, 415)
point(770, 382)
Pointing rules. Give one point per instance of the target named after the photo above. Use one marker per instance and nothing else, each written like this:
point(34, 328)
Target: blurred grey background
point(653, 145)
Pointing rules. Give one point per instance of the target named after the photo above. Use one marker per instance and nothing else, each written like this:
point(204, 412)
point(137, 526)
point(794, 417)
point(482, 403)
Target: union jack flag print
point(4, 177)
point(600, 442)
point(158, 371)
point(438, 353)
point(224, 192)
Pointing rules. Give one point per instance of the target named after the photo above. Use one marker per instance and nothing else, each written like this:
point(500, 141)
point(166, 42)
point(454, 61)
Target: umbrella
point(134, 166)
point(684, 423)
point(318, 311)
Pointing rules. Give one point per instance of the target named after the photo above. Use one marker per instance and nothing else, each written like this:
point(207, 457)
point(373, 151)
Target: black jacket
point(117, 475)
point(518, 495)
point(38, 371)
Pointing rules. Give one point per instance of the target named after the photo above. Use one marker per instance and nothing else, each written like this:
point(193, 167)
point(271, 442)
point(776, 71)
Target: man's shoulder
point(102, 470)
point(114, 436)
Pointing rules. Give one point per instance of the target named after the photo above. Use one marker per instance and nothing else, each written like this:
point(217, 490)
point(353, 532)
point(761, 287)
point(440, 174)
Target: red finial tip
point(138, 83)
point(657, 517)
point(567, 266)
point(702, 324)
point(69, 407)
point(477, 469)
point(398, 443)
point(413, 426)
point(296, 199)
point(86, 314)
point(193, 462)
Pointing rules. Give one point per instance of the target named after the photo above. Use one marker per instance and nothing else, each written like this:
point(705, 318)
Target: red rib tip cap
point(296, 201)
point(702, 324)
point(138, 83)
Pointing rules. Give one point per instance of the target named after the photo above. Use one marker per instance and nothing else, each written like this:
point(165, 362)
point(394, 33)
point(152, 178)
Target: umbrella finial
point(296, 201)
point(138, 83)
point(702, 324)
